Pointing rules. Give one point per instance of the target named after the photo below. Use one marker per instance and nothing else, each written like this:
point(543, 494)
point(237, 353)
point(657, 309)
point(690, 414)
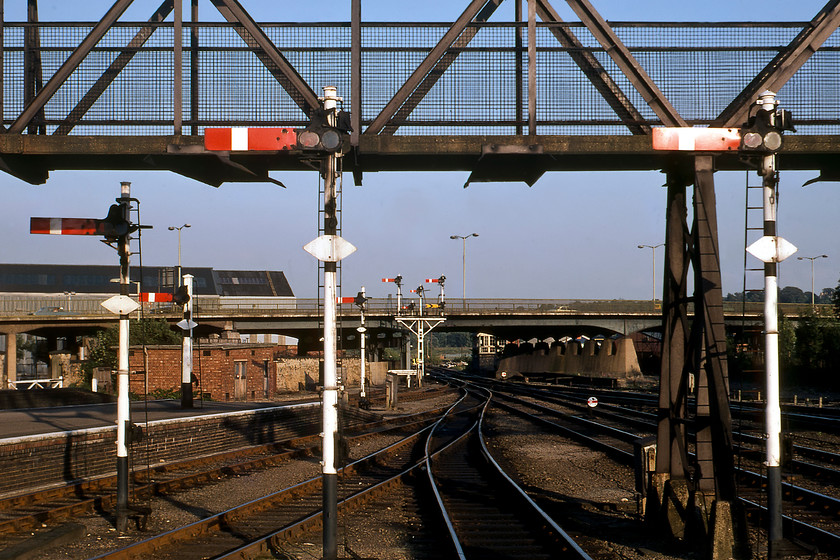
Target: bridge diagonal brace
point(593, 70)
point(627, 63)
point(106, 79)
point(269, 55)
point(721, 466)
point(671, 459)
point(784, 65)
point(70, 65)
point(439, 68)
point(431, 62)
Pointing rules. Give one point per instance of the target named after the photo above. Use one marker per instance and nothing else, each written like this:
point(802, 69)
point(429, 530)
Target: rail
point(17, 305)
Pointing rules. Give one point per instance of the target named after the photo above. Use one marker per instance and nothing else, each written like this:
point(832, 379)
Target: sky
point(570, 236)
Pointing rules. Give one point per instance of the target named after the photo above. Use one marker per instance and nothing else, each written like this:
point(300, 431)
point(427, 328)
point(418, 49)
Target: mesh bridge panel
point(700, 68)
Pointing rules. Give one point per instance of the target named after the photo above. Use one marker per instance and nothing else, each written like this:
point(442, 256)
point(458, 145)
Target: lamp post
point(464, 261)
point(812, 259)
point(173, 228)
point(653, 267)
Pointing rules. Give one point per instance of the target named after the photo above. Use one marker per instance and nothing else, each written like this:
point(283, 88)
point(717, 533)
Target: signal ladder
point(321, 264)
point(753, 283)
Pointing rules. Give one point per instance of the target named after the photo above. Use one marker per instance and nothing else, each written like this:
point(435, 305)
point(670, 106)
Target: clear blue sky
point(572, 235)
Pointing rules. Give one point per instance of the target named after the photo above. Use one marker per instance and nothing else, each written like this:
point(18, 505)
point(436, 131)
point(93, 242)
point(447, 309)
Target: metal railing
point(27, 384)
point(78, 306)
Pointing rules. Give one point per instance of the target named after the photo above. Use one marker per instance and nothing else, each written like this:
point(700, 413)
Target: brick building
point(238, 371)
point(224, 371)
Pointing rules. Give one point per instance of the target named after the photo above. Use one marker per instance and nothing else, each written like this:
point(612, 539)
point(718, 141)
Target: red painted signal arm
point(155, 296)
point(688, 139)
point(70, 226)
point(250, 139)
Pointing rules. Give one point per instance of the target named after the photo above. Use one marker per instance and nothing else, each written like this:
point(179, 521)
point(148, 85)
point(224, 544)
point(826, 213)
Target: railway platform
point(18, 423)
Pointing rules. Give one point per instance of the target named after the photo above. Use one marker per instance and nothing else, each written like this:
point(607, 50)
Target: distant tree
point(787, 343)
point(835, 300)
point(792, 294)
point(817, 348)
point(752, 296)
point(826, 296)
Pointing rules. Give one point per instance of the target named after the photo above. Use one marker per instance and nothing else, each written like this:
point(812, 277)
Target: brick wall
point(58, 458)
point(216, 367)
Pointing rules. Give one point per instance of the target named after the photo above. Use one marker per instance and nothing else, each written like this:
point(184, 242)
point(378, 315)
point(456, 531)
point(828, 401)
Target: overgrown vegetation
point(809, 348)
point(102, 351)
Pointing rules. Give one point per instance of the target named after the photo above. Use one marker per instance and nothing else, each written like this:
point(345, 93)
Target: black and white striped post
point(771, 249)
point(330, 248)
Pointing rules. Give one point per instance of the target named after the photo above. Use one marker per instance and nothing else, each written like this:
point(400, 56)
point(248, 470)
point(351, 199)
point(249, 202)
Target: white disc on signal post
point(186, 325)
point(329, 248)
point(772, 249)
point(592, 402)
point(120, 305)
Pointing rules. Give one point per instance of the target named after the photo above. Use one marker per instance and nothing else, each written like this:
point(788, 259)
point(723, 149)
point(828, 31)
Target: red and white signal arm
point(592, 402)
point(249, 139)
point(432, 280)
point(687, 139)
point(67, 226)
point(155, 297)
point(389, 279)
point(350, 299)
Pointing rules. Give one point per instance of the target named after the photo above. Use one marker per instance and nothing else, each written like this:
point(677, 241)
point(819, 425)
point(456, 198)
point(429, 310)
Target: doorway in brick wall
point(240, 380)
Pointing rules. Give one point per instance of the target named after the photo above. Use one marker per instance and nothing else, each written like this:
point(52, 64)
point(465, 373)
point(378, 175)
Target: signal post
point(116, 228)
point(324, 141)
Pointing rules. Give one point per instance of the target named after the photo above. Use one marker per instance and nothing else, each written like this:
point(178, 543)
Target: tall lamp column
point(812, 259)
point(653, 267)
point(179, 228)
point(464, 261)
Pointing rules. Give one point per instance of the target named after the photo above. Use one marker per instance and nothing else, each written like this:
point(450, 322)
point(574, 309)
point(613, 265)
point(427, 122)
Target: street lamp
point(653, 260)
point(812, 259)
point(173, 228)
point(464, 260)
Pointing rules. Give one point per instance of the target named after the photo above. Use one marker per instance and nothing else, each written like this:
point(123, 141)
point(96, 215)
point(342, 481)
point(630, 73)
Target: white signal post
point(398, 281)
point(361, 330)
point(772, 250)
point(186, 345)
point(330, 248)
point(123, 405)
point(117, 229)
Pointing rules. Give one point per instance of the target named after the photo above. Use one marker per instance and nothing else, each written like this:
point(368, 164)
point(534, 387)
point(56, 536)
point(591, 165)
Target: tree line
point(809, 348)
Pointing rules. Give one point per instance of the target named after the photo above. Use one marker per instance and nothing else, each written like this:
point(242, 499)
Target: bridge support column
point(9, 373)
point(667, 504)
point(695, 501)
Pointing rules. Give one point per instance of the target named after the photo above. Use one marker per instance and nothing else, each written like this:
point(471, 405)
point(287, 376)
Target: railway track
point(812, 517)
point(486, 513)
point(429, 467)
